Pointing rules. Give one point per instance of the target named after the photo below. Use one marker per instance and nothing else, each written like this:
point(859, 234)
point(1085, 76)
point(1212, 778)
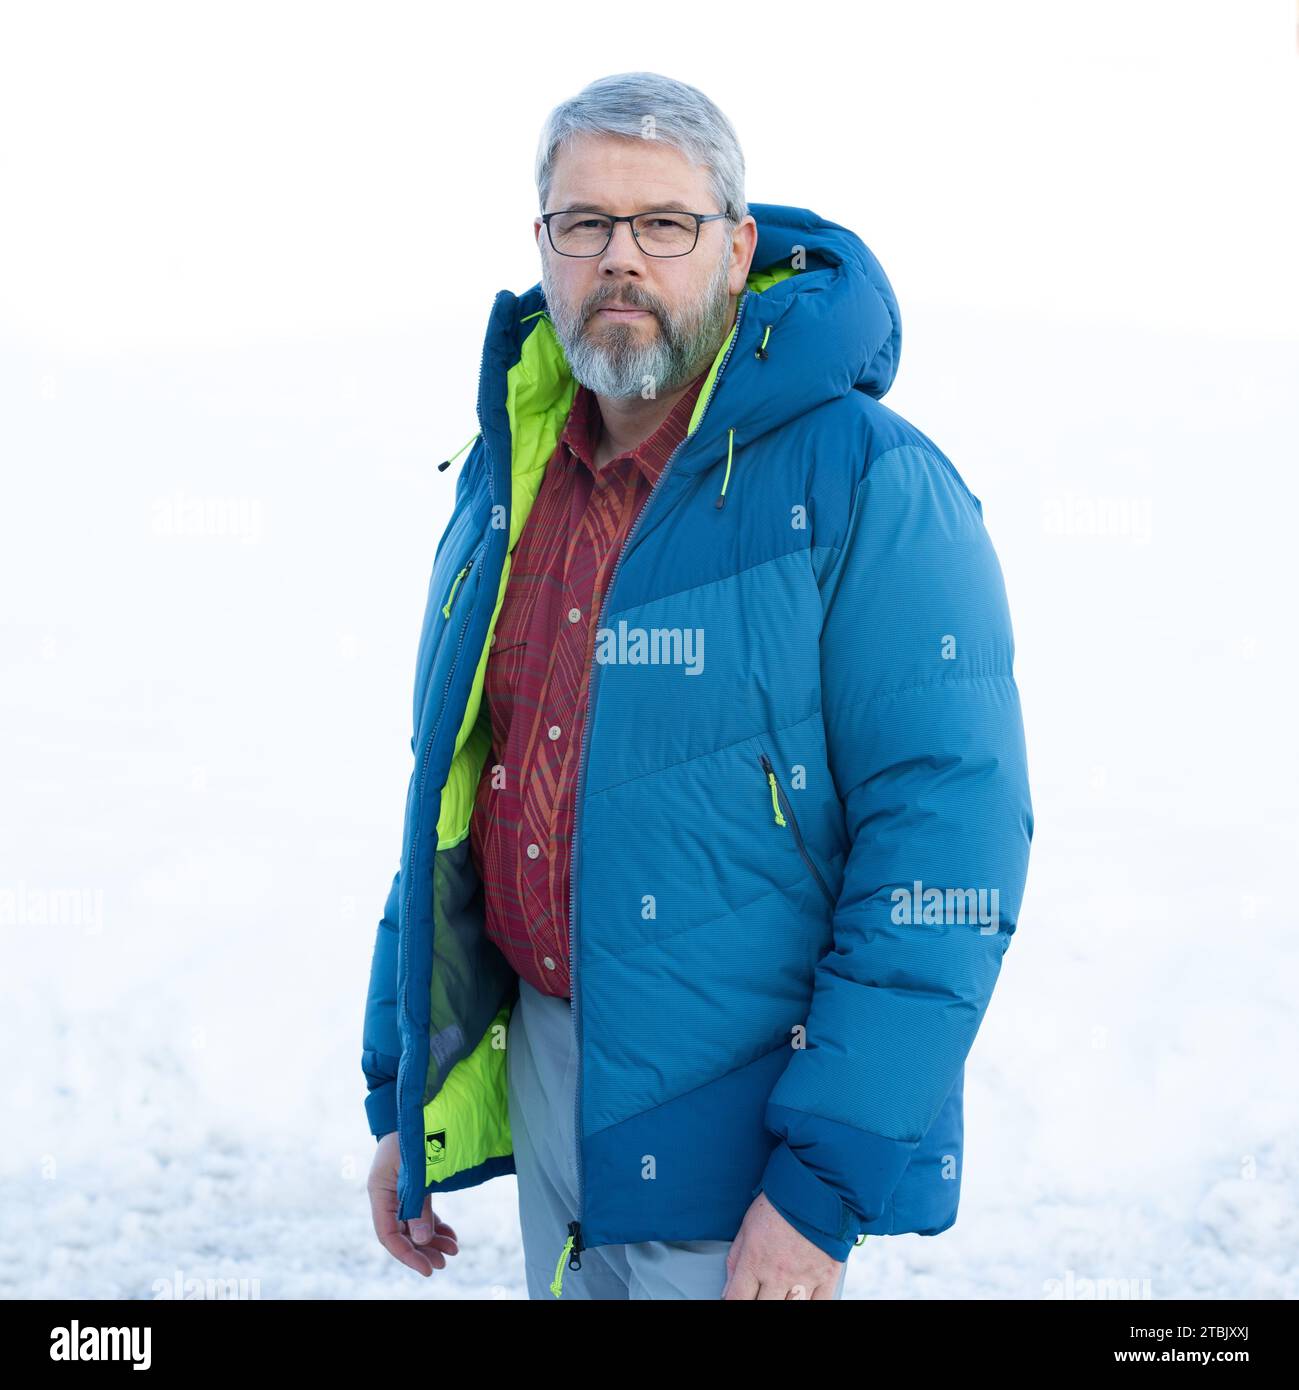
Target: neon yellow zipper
point(792, 822)
point(446, 607)
point(775, 799)
point(557, 1283)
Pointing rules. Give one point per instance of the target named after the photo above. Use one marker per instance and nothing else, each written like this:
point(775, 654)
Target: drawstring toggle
point(446, 463)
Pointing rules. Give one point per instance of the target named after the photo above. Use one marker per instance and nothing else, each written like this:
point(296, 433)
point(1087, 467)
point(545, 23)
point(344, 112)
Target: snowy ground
point(206, 743)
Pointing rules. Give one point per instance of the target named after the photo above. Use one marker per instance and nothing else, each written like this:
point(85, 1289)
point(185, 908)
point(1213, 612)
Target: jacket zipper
point(777, 791)
point(446, 607)
point(428, 751)
point(573, 1245)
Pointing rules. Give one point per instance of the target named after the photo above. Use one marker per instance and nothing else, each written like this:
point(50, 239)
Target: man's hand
point(770, 1259)
point(424, 1243)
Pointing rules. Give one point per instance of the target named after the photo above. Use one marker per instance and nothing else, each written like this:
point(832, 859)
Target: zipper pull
point(557, 1283)
point(574, 1245)
point(446, 607)
point(775, 799)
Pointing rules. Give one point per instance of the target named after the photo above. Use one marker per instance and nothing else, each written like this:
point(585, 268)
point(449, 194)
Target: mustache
point(631, 299)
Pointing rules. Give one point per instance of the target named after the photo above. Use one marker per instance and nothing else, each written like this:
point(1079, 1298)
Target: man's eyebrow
point(670, 205)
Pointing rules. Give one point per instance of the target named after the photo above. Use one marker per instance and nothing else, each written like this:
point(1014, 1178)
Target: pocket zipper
point(778, 796)
point(446, 607)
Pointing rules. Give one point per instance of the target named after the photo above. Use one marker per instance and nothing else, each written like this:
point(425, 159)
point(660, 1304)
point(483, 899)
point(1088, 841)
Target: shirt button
point(574, 614)
point(491, 641)
point(553, 731)
point(548, 963)
point(533, 851)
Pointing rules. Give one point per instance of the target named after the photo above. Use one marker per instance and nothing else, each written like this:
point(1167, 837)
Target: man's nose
point(625, 253)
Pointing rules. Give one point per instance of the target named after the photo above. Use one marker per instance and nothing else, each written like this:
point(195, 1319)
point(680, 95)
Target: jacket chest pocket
point(507, 653)
point(783, 817)
point(501, 681)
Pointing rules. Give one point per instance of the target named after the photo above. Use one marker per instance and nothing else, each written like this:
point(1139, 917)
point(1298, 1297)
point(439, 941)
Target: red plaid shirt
point(536, 683)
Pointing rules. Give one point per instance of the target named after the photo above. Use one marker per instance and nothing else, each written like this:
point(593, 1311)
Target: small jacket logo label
point(435, 1147)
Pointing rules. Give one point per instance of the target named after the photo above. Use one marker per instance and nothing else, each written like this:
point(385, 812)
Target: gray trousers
point(541, 1065)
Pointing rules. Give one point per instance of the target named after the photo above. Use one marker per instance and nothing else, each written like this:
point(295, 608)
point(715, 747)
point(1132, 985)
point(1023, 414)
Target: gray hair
point(641, 105)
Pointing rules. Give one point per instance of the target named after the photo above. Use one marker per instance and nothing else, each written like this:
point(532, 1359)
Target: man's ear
point(746, 231)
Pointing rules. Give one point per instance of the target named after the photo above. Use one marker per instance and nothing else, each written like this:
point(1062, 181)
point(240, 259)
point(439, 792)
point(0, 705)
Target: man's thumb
point(421, 1232)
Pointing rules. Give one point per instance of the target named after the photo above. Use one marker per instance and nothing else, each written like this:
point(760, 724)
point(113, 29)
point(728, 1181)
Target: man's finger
point(733, 1259)
point(742, 1286)
point(424, 1258)
point(426, 1225)
point(439, 1236)
point(383, 1213)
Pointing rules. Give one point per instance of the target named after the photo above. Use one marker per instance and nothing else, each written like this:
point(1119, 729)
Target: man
point(719, 819)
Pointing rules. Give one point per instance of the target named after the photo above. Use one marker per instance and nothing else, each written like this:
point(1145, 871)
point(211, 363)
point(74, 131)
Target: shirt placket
point(586, 574)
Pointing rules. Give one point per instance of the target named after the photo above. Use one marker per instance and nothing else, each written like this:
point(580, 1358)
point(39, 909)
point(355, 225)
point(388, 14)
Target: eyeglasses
point(657, 233)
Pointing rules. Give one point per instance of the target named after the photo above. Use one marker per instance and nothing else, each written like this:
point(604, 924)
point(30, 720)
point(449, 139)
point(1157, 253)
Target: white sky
point(224, 174)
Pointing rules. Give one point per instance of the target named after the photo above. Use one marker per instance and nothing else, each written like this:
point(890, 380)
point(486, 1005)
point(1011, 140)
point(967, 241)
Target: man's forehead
point(596, 172)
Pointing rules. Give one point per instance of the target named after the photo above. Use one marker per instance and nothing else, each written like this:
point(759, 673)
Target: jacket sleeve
point(926, 749)
point(381, 1045)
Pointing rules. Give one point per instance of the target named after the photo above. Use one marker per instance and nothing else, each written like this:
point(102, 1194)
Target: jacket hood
point(839, 312)
point(818, 319)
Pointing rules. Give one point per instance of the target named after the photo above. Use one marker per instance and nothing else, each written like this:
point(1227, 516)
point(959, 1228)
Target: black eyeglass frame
point(630, 219)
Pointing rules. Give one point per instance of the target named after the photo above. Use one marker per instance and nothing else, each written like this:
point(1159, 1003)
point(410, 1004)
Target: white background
point(234, 270)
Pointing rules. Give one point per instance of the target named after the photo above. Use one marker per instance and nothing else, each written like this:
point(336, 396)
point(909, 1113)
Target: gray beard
point(620, 366)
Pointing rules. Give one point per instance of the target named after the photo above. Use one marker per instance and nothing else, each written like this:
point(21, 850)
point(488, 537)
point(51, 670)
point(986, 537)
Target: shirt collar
point(650, 455)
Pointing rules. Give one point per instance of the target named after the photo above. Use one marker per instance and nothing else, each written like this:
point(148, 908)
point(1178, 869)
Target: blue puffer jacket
point(803, 815)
